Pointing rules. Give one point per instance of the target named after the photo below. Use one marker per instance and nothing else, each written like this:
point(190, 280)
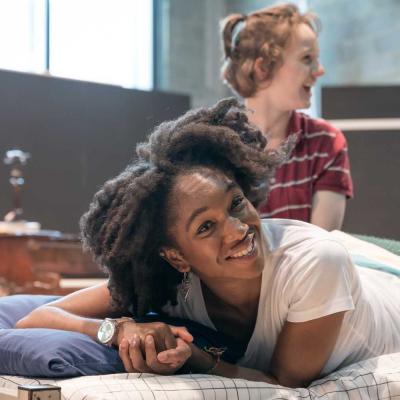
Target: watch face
point(106, 331)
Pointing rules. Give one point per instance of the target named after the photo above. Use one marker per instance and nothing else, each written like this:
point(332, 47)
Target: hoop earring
point(185, 286)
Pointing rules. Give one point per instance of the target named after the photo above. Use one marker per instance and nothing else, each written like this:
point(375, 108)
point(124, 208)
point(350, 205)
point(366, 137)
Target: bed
point(377, 378)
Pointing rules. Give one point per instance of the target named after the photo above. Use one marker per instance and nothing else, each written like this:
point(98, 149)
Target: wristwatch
point(108, 330)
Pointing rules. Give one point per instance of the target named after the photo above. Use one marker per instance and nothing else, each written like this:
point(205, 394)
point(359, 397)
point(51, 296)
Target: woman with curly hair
point(179, 235)
point(271, 60)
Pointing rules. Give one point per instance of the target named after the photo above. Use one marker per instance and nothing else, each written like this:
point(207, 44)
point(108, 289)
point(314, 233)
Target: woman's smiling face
point(292, 82)
point(216, 230)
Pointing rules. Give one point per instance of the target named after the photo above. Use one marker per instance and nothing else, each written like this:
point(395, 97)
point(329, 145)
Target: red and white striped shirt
point(319, 161)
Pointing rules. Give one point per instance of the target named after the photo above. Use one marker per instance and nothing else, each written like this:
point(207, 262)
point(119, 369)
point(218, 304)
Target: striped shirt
point(319, 161)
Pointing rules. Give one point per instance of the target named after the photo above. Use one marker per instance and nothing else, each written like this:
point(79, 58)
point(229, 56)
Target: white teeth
point(246, 251)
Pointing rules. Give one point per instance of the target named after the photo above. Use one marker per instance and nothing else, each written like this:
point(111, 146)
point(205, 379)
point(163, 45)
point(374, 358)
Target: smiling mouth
point(247, 251)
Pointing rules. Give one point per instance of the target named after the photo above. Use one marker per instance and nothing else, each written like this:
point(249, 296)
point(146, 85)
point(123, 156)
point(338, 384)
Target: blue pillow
point(48, 352)
point(55, 353)
point(13, 308)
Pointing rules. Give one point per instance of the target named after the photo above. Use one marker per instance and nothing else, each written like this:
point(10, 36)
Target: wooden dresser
point(47, 262)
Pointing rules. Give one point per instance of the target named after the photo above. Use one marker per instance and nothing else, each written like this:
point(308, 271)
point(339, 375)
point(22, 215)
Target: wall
point(188, 48)
point(359, 43)
point(359, 40)
point(78, 133)
point(374, 150)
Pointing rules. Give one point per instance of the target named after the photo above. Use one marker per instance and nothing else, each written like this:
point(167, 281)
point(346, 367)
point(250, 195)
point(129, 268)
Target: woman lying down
point(179, 235)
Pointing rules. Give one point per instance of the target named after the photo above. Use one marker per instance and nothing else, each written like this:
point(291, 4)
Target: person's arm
point(303, 349)
point(143, 357)
point(332, 182)
point(328, 209)
point(318, 291)
point(202, 362)
point(83, 311)
point(301, 352)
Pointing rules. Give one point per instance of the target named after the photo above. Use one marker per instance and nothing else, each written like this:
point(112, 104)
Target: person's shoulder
point(302, 249)
point(321, 134)
point(288, 232)
point(299, 236)
point(314, 125)
point(293, 226)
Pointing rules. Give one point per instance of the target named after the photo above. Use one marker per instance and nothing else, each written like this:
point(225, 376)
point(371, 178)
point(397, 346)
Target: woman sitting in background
point(183, 216)
point(272, 61)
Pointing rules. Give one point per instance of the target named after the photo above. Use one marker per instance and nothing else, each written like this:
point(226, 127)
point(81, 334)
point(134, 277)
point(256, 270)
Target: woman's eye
point(237, 203)
point(205, 227)
point(307, 59)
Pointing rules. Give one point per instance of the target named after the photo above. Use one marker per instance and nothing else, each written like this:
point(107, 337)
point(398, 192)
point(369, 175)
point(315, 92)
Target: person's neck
point(242, 296)
point(271, 121)
point(233, 308)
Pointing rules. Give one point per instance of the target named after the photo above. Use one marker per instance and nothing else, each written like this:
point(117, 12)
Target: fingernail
point(149, 339)
point(162, 357)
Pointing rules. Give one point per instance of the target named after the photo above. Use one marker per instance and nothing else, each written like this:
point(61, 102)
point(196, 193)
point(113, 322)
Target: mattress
point(377, 378)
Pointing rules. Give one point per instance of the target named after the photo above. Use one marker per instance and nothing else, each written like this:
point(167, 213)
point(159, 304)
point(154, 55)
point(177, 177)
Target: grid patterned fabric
point(378, 378)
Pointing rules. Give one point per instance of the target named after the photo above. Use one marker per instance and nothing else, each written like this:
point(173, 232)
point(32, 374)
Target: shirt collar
point(294, 126)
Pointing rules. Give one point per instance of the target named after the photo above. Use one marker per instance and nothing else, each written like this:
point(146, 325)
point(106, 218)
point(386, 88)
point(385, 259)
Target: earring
point(185, 286)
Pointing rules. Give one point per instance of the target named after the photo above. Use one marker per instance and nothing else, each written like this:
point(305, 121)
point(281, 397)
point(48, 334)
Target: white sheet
point(378, 378)
point(371, 251)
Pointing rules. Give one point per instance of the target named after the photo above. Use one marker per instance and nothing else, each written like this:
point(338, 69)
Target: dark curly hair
point(126, 223)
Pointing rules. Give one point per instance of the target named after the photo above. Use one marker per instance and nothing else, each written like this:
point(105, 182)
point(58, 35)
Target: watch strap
point(117, 322)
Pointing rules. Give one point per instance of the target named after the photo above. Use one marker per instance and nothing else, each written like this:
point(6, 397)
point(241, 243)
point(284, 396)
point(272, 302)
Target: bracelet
point(216, 353)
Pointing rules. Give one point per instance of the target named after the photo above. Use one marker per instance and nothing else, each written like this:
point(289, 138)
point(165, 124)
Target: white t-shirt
point(308, 274)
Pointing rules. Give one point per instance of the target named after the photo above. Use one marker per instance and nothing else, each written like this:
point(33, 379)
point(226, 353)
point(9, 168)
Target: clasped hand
point(153, 347)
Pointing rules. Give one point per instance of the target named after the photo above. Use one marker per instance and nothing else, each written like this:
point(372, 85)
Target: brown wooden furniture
point(40, 262)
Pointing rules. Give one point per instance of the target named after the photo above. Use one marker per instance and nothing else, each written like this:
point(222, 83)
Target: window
point(23, 35)
point(107, 41)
